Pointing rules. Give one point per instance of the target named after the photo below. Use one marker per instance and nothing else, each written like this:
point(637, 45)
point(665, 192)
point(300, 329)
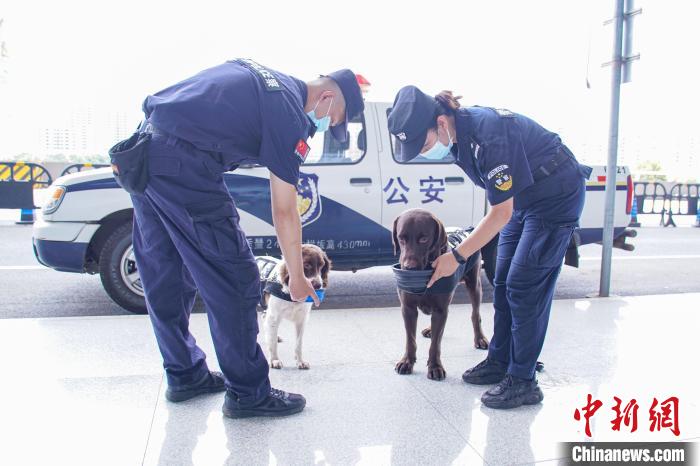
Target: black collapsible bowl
point(412, 281)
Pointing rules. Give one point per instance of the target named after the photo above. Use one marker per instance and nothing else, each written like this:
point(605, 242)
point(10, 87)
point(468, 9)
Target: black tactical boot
point(277, 403)
point(211, 383)
point(488, 371)
point(512, 392)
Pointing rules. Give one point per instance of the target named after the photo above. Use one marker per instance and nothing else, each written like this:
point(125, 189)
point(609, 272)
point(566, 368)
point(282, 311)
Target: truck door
point(440, 187)
point(339, 196)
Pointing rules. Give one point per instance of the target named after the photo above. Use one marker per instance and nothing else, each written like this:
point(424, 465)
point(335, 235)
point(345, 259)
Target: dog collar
point(275, 289)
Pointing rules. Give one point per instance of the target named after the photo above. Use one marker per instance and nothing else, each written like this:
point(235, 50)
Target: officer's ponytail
point(448, 102)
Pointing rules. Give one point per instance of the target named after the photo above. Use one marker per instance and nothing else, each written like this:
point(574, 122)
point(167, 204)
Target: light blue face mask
point(439, 150)
point(322, 124)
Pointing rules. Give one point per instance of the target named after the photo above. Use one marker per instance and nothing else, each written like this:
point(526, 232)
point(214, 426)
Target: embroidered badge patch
point(503, 181)
point(498, 169)
point(308, 198)
point(301, 150)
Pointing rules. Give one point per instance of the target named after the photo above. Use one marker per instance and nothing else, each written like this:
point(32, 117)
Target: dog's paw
point(276, 364)
point(303, 365)
point(481, 342)
point(436, 372)
point(426, 332)
point(404, 366)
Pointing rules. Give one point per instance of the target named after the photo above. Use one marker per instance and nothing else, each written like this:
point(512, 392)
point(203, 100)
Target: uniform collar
point(465, 126)
point(465, 137)
point(304, 93)
point(465, 131)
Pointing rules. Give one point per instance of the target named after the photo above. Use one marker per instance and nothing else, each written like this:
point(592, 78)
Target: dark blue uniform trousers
point(187, 238)
point(531, 249)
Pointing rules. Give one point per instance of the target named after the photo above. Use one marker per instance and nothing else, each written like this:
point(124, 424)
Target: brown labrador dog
point(420, 238)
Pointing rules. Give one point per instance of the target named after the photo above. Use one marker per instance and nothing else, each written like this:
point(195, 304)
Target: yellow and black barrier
point(21, 172)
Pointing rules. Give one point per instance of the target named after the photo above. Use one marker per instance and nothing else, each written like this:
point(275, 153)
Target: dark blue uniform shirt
point(242, 112)
point(499, 150)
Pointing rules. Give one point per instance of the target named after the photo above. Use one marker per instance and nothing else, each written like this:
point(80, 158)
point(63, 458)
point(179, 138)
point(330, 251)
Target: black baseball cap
point(412, 115)
point(354, 104)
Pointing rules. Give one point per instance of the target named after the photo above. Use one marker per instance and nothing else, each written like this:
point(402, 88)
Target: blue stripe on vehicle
point(64, 256)
point(105, 183)
point(337, 221)
point(602, 188)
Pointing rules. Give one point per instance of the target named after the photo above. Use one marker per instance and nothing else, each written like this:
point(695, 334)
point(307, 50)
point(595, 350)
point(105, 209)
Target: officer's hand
point(444, 266)
point(300, 288)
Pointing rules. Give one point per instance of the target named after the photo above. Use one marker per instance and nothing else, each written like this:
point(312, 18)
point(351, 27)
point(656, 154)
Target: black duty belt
point(148, 128)
point(560, 159)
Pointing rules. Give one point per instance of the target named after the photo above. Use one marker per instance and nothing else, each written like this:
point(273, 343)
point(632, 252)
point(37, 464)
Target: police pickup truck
point(348, 198)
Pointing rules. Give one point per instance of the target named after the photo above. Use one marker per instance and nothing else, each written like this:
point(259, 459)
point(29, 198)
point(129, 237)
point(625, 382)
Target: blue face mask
point(322, 124)
point(439, 150)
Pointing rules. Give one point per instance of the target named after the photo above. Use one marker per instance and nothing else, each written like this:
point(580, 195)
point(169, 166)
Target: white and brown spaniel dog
point(279, 305)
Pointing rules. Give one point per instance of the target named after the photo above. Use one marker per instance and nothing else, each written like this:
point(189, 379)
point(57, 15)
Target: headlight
point(54, 200)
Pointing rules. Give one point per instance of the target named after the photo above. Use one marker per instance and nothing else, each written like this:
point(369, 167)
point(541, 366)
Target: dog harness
point(416, 281)
point(269, 279)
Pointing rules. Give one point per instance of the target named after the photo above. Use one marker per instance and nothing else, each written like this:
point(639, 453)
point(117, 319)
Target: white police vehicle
point(348, 198)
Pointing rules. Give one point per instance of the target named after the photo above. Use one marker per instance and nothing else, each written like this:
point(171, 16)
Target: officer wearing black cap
point(186, 234)
point(536, 190)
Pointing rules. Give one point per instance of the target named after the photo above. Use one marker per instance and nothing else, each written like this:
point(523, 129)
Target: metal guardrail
point(682, 199)
point(79, 167)
point(651, 197)
point(20, 172)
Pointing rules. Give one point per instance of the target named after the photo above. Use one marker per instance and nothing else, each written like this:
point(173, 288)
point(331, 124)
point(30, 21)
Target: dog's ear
point(283, 274)
point(439, 245)
point(327, 264)
point(394, 236)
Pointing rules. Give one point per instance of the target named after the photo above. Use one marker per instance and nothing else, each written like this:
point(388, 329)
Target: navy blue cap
point(412, 115)
point(354, 104)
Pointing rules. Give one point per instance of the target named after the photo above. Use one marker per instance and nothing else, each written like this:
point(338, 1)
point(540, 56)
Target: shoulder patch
point(503, 181)
point(497, 170)
point(504, 112)
point(301, 150)
point(268, 79)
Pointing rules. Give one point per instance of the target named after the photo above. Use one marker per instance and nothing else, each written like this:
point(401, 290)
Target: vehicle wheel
point(488, 254)
point(118, 271)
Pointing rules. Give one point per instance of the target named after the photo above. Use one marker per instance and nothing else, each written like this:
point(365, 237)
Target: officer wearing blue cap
point(536, 190)
point(187, 236)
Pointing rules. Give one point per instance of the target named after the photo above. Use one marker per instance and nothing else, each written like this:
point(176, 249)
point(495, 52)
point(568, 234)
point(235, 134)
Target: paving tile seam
point(543, 461)
point(113, 376)
point(452, 426)
point(377, 309)
point(153, 418)
point(375, 347)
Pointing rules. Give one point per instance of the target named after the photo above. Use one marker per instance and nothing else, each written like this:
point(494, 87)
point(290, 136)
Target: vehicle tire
point(118, 270)
point(488, 254)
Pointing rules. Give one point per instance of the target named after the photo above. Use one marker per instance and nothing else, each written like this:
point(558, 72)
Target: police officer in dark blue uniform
point(187, 235)
point(536, 190)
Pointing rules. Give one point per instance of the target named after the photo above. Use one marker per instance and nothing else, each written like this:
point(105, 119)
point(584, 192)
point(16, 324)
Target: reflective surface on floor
point(89, 390)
